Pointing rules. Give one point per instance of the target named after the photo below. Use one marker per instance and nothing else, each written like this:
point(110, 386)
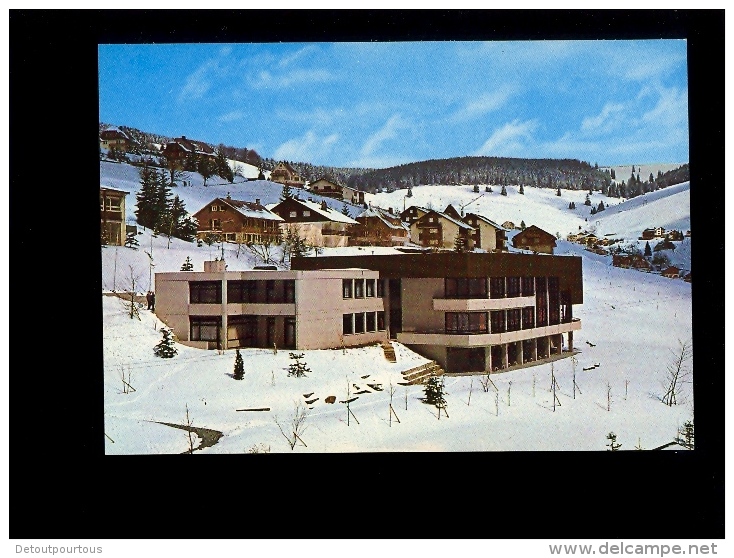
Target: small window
point(359, 288)
point(293, 214)
point(359, 323)
point(371, 322)
point(370, 288)
point(347, 288)
point(433, 231)
point(215, 208)
point(306, 213)
point(381, 321)
point(431, 220)
point(289, 287)
point(347, 327)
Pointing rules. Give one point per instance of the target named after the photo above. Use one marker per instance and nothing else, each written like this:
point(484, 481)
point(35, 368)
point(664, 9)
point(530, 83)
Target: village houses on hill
point(239, 221)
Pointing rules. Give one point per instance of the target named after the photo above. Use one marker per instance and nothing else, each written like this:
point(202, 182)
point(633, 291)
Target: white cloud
point(671, 109)
point(483, 104)
point(390, 130)
point(232, 116)
point(309, 147)
point(289, 59)
point(197, 83)
point(603, 119)
point(267, 80)
point(509, 140)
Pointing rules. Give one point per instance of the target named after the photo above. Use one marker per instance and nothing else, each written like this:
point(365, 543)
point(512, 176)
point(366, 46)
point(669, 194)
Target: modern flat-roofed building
point(473, 312)
point(319, 309)
point(112, 215)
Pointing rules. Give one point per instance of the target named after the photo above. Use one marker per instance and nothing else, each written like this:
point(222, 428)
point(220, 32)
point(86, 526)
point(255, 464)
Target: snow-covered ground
point(633, 319)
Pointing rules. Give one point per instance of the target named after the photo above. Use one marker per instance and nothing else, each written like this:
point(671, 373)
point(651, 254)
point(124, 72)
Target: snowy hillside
point(126, 177)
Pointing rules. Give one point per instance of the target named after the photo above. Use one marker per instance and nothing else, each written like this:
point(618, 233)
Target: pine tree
point(345, 210)
point(593, 210)
point(459, 243)
point(522, 226)
point(686, 435)
point(558, 192)
point(522, 190)
point(222, 165)
point(614, 176)
point(588, 201)
point(166, 348)
point(600, 207)
point(187, 265)
point(488, 189)
point(476, 188)
point(286, 193)
point(410, 193)
point(205, 168)
point(131, 241)
point(648, 250)
point(504, 191)
point(239, 366)
point(297, 368)
point(613, 445)
point(145, 212)
point(433, 393)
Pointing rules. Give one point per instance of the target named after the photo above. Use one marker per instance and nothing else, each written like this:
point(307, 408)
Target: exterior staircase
point(420, 374)
point(389, 351)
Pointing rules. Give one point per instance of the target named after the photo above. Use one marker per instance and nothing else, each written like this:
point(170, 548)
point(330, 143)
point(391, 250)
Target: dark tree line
point(161, 211)
point(634, 186)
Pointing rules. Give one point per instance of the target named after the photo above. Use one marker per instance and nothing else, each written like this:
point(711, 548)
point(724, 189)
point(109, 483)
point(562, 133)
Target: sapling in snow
point(166, 348)
point(613, 445)
point(239, 367)
point(297, 368)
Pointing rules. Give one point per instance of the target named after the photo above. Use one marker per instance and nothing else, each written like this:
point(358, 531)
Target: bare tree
point(264, 251)
point(486, 381)
point(131, 285)
point(189, 430)
point(293, 428)
point(677, 373)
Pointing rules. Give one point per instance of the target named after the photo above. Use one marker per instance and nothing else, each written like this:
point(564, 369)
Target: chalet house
point(323, 309)
point(627, 261)
point(239, 221)
point(181, 148)
point(473, 312)
point(674, 235)
point(285, 174)
point(114, 138)
point(535, 239)
point(655, 232)
point(439, 231)
point(378, 227)
point(452, 212)
point(487, 234)
point(112, 213)
point(316, 223)
point(509, 225)
point(671, 272)
point(331, 189)
point(412, 214)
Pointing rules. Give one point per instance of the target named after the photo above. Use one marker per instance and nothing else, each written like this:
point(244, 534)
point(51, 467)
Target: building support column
point(570, 341)
point(224, 311)
point(520, 355)
point(488, 358)
point(505, 355)
point(535, 348)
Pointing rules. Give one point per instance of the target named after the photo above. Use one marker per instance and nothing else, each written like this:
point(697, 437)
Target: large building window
point(289, 290)
point(347, 288)
point(270, 292)
point(239, 292)
point(369, 288)
point(465, 287)
point(347, 324)
point(371, 323)
point(528, 286)
point(381, 321)
point(359, 322)
point(513, 319)
point(541, 301)
point(289, 333)
point(380, 288)
point(528, 317)
point(498, 321)
point(205, 328)
point(359, 288)
point(205, 292)
point(242, 330)
point(466, 322)
point(554, 301)
point(497, 287)
point(513, 287)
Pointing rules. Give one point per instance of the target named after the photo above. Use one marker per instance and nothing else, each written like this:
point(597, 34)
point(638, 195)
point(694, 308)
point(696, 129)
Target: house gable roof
point(329, 213)
point(532, 230)
point(246, 209)
point(456, 222)
point(485, 220)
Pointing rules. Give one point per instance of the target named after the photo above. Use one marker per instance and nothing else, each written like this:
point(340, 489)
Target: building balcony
point(427, 337)
point(479, 304)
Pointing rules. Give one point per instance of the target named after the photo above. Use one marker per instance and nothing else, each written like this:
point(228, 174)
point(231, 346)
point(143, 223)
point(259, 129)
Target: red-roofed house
point(239, 221)
point(317, 223)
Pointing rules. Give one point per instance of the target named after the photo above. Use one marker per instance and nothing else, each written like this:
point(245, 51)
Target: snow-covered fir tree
point(297, 368)
point(166, 348)
point(433, 393)
point(187, 265)
point(504, 191)
point(131, 241)
point(523, 226)
point(613, 445)
point(558, 192)
point(459, 244)
point(686, 435)
point(286, 193)
point(239, 366)
point(588, 201)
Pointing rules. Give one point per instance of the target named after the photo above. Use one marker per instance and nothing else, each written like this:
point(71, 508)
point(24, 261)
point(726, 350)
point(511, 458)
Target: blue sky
point(384, 104)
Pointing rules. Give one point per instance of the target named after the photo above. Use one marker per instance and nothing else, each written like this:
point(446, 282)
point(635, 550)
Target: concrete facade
point(476, 312)
point(288, 309)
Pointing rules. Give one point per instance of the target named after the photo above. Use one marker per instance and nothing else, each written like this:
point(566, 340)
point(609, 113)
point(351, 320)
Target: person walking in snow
point(152, 301)
point(148, 298)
